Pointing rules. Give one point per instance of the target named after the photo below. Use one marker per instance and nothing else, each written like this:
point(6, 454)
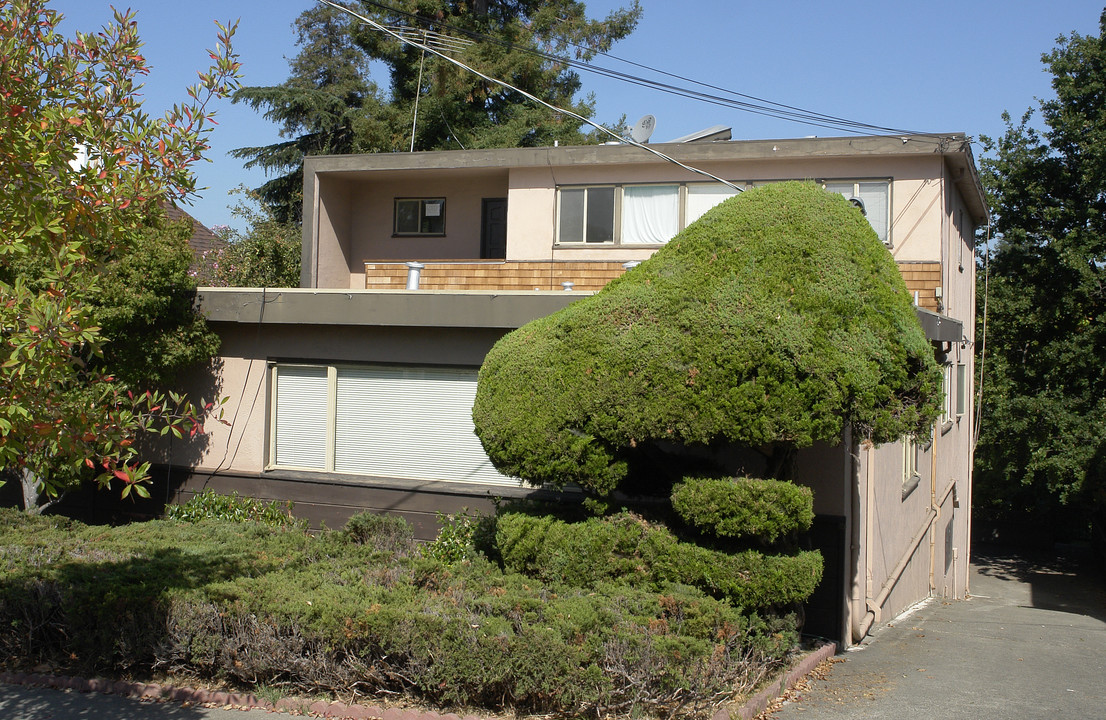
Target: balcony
point(922, 278)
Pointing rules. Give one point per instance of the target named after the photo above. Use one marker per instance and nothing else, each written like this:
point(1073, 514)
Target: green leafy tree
point(1043, 428)
point(84, 170)
point(772, 322)
point(329, 106)
point(266, 254)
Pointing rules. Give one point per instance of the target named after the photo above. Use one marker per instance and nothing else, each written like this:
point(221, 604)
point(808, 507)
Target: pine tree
point(326, 107)
point(329, 106)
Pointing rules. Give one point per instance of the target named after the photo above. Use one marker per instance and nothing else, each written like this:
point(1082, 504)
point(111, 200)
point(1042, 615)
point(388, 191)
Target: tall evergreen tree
point(329, 105)
point(1043, 431)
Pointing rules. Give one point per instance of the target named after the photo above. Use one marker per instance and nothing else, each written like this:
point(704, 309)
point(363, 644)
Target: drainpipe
point(875, 604)
point(872, 607)
point(414, 269)
point(937, 513)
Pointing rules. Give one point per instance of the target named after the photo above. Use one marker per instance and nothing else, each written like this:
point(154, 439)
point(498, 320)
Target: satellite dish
point(643, 129)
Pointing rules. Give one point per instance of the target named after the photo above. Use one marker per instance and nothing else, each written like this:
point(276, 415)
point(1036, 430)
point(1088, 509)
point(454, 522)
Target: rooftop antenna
point(643, 129)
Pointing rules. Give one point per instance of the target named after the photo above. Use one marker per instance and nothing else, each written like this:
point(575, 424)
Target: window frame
point(617, 240)
point(888, 239)
point(423, 202)
point(468, 463)
point(559, 226)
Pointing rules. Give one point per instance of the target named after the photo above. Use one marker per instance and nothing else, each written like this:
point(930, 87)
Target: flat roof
point(505, 309)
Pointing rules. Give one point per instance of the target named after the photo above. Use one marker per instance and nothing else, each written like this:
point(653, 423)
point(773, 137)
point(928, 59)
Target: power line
point(739, 101)
point(414, 43)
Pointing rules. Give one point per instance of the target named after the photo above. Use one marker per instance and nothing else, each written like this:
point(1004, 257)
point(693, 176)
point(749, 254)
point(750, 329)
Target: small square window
point(873, 197)
point(420, 216)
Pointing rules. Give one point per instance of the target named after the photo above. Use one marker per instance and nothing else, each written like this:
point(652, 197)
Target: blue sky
point(942, 66)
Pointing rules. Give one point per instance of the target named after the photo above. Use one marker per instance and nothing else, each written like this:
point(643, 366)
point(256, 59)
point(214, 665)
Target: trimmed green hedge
point(626, 548)
point(356, 612)
point(778, 316)
point(744, 507)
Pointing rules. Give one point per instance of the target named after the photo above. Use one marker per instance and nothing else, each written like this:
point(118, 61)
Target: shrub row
point(743, 507)
point(357, 612)
point(624, 547)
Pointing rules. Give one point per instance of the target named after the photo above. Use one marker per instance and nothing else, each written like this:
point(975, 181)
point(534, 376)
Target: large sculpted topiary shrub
point(773, 321)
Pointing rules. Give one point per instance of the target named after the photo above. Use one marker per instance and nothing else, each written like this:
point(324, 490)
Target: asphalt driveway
point(1030, 643)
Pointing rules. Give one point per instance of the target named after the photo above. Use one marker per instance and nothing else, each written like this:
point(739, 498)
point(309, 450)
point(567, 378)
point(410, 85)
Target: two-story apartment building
point(355, 390)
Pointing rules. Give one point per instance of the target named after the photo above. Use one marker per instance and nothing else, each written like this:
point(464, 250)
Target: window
point(946, 408)
point(420, 216)
point(961, 389)
point(703, 196)
point(874, 199)
point(411, 422)
point(650, 214)
point(586, 215)
point(910, 474)
point(633, 214)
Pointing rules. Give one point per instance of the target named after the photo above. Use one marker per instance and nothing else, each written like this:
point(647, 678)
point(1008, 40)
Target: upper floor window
point(633, 214)
point(586, 215)
point(873, 197)
point(420, 216)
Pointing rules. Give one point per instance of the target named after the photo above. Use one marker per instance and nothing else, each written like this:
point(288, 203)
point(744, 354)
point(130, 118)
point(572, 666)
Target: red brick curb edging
point(759, 703)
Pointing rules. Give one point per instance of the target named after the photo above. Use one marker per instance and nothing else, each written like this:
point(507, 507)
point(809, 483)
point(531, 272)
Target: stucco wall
point(240, 375)
point(355, 213)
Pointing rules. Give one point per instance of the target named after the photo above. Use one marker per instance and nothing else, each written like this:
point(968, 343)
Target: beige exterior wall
point(354, 217)
point(242, 376)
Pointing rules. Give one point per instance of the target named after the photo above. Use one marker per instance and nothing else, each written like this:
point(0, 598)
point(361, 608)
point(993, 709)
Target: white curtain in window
point(876, 197)
point(650, 213)
point(300, 417)
point(703, 197)
point(410, 422)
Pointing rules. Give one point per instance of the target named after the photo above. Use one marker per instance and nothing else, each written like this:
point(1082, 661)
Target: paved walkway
point(1030, 643)
point(19, 702)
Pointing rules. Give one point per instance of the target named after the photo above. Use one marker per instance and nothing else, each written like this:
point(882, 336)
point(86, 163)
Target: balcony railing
point(922, 278)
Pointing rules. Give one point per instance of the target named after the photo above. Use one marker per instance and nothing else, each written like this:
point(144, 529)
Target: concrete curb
point(747, 711)
point(759, 703)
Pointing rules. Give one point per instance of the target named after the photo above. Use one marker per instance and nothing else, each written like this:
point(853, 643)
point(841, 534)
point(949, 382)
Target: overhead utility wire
point(780, 111)
point(383, 28)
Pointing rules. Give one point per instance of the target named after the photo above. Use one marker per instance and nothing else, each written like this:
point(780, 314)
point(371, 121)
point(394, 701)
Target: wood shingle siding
point(491, 275)
point(494, 275)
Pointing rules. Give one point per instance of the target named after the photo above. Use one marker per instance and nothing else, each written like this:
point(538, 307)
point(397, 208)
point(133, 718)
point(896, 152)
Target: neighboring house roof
point(202, 238)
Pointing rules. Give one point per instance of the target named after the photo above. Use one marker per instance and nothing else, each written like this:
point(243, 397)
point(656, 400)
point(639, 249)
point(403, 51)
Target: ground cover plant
point(363, 612)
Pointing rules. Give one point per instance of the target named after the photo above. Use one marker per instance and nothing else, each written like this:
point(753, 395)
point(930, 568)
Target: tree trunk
point(32, 493)
point(29, 480)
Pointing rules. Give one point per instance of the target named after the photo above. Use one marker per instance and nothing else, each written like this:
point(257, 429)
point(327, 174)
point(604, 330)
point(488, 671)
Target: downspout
point(936, 509)
point(875, 604)
point(871, 607)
